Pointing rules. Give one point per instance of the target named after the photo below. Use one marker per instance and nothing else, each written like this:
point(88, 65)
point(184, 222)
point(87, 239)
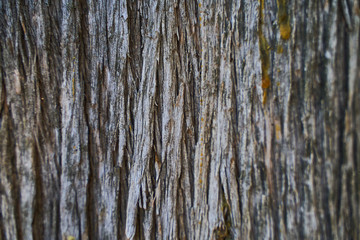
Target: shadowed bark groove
point(181, 119)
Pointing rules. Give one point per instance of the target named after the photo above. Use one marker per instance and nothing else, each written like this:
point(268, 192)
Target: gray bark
point(126, 119)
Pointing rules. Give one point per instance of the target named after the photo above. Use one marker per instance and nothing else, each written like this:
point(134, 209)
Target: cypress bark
point(124, 119)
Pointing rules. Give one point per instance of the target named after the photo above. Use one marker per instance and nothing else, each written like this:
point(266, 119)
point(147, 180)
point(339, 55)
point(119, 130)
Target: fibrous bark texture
point(124, 119)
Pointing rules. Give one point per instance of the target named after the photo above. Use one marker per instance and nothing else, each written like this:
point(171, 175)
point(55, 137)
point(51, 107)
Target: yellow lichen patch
point(285, 31)
point(279, 49)
point(264, 97)
point(202, 119)
point(284, 23)
point(223, 231)
point(264, 54)
point(262, 6)
point(157, 160)
point(23, 26)
point(200, 181)
point(73, 79)
point(278, 131)
point(278, 84)
point(264, 50)
point(70, 238)
point(265, 63)
point(73, 88)
point(199, 5)
point(265, 83)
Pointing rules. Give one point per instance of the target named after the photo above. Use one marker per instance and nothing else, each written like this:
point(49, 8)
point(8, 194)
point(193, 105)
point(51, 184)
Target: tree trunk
point(124, 119)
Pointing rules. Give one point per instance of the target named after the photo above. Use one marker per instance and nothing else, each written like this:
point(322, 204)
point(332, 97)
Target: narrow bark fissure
point(139, 234)
point(38, 202)
point(135, 42)
point(342, 108)
point(78, 217)
point(58, 215)
point(122, 197)
point(274, 189)
point(252, 211)
point(3, 109)
point(92, 155)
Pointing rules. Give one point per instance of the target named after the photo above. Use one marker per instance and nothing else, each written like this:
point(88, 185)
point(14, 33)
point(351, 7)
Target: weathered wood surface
point(179, 120)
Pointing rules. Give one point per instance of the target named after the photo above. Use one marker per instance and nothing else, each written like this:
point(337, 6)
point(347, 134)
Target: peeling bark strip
point(179, 120)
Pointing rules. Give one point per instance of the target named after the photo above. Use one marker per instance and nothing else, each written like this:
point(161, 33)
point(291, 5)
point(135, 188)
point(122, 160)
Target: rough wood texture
point(179, 120)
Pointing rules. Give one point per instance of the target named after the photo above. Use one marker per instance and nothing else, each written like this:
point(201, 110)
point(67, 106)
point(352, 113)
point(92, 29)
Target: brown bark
point(179, 119)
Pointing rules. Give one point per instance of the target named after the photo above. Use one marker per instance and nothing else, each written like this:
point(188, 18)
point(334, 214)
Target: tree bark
point(124, 119)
